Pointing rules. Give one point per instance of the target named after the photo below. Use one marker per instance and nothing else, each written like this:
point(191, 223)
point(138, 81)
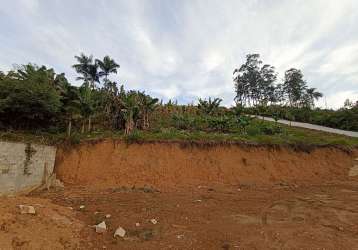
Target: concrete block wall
point(22, 166)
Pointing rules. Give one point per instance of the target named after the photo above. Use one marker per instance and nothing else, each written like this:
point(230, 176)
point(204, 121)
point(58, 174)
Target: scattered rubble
point(101, 227)
point(120, 232)
point(24, 209)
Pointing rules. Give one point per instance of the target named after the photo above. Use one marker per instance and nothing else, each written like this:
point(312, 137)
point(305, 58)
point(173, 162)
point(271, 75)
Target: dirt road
point(204, 217)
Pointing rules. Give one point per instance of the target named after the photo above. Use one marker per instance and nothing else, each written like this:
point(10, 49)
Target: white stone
point(101, 227)
point(154, 221)
point(27, 209)
point(137, 224)
point(353, 171)
point(120, 232)
point(82, 207)
point(108, 216)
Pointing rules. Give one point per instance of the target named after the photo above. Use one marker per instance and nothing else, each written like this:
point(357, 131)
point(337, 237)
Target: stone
point(353, 171)
point(27, 209)
point(82, 207)
point(101, 227)
point(120, 232)
point(154, 221)
point(137, 224)
point(108, 216)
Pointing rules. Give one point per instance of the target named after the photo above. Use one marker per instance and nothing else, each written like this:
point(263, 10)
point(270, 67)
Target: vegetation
point(38, 104)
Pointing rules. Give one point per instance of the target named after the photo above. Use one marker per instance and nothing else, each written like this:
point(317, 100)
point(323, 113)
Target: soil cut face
point(167, 165)
point(170, 196)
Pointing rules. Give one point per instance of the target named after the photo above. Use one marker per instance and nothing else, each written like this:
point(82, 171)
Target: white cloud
point(184, 49)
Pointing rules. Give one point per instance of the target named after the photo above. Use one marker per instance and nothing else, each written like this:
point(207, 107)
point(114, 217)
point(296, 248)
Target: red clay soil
point(218, 217)
point(227, 197)
point(52, 227)
point(166, 165)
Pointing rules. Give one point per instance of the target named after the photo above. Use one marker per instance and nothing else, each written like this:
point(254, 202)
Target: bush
point(220, 124)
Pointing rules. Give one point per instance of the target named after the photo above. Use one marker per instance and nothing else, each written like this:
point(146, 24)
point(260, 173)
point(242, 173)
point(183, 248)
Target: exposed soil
point(167, 165)
point(210, 217)
point(201, 198)
point(52, 227)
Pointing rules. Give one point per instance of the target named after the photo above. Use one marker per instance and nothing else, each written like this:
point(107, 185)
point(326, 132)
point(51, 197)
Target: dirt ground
point(279, 216)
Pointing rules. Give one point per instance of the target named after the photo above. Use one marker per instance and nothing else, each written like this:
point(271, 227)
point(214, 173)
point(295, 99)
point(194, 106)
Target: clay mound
point(166, 165)
point(52, 227)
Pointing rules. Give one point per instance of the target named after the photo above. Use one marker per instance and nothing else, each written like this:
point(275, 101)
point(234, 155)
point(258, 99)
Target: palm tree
point(89, 74)
point(107, 66)
point(312, 95)
point(87, 69)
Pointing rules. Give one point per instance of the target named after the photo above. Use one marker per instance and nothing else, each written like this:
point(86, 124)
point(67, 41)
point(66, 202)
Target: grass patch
point(261, 132)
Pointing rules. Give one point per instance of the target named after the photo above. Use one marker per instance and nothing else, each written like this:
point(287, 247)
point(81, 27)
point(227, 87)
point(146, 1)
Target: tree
point(28, 98)
point(254, 84)
point(210, 106)
point(87, 69)
point(310, 96)
point(294, 86)
point(147, 104)
point(130, 110)
point(107, 66)
point(71, 105)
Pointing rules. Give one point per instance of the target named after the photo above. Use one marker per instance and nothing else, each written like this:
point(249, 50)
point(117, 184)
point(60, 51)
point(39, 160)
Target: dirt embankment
point(165, 165)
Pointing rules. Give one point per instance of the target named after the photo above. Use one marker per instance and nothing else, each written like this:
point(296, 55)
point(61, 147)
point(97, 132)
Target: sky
point(188, 49)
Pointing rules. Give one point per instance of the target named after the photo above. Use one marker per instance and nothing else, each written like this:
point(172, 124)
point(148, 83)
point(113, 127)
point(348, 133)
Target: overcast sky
point(185, 49)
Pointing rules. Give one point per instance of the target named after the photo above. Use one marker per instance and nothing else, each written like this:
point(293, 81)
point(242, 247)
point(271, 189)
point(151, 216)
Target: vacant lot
point(280, 216)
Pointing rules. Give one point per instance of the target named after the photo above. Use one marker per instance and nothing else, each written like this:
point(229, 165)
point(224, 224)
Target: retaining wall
point(22, 166)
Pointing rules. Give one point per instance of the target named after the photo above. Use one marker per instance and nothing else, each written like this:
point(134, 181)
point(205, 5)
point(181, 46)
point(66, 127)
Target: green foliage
point(210, 106)
point(256, 85)
point(28, 98)
point(45, 104)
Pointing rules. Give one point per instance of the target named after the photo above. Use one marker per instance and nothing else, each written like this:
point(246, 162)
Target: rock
point(82, 207)
point(120, 232)
point(101, 227)
point(353, 171)
point(58, 184)
point(27, 209)
point(108, 216)
point(137, 224)
point(154, 221)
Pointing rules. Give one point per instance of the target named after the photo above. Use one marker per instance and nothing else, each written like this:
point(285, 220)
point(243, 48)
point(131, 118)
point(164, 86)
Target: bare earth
point(205, 217)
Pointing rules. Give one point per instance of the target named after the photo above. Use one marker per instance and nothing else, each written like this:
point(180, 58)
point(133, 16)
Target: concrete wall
point(22, 166)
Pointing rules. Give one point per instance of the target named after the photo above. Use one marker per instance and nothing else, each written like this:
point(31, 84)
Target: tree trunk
point(129, 126)
point(69, 128)
point(89, 124)
point(83, 127)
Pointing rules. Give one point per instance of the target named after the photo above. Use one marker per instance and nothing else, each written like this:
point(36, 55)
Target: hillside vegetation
point(38, 104)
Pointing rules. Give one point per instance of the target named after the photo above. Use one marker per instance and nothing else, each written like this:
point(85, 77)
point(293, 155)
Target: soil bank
point(169, 164)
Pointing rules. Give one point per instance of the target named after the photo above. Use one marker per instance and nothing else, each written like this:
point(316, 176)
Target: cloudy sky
point(185, 49)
